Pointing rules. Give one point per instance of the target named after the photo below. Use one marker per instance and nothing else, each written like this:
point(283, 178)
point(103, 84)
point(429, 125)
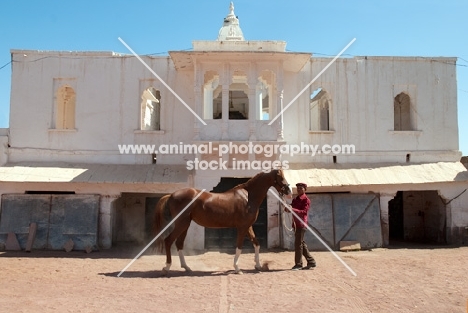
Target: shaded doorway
point(225, 238)
point(150, 209)
point(417, 216)
point(395, 217)
point(133, 218)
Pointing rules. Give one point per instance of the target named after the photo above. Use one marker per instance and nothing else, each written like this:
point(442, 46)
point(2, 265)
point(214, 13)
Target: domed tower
point(238, 84)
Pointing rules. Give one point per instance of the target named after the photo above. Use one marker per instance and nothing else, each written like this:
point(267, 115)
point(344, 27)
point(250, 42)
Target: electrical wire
point(5, 65)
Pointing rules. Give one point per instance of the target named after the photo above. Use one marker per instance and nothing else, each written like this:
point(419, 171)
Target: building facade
point(105, 135)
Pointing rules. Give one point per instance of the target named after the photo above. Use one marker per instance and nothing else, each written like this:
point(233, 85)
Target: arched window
point(65, 114)
point(402, 112)
point(151, 109)
point(320, 105)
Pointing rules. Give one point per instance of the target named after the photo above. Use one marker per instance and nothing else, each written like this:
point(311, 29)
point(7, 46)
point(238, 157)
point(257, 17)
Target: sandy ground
point(404, 279)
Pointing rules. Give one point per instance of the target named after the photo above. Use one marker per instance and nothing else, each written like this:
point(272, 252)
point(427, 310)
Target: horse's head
point(281, 184)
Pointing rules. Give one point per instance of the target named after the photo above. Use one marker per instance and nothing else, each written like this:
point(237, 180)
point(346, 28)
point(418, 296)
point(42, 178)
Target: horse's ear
point(277, 168)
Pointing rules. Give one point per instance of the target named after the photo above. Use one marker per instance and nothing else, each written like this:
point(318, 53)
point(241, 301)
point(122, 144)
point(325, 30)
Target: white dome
point(231, 29)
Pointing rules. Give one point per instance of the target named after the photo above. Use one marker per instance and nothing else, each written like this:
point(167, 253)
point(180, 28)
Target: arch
point(264, 94)
point(151, 109)
point(402, 112)
point(212, 97)
point(319, 110)
point(66, 103)
point(238, 96)
point(238, 101)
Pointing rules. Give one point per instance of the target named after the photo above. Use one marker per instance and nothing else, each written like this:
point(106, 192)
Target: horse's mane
point(251, 181)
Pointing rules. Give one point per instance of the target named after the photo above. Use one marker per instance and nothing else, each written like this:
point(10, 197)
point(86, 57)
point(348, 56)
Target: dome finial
point(231, 29)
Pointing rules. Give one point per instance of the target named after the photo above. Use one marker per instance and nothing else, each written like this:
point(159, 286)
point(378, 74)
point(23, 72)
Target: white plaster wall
point(458, 208)
point(362, 91)
point(4, 145)
point(107, 107)
point(273, 46)
point(273, 221)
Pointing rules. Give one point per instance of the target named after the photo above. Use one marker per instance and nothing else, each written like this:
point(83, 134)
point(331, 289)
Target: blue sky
point(382, 28)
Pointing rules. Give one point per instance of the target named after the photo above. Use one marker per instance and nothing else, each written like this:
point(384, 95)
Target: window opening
point(66, 102)
point(402, 114)
point(320, 103)
point(151, 109)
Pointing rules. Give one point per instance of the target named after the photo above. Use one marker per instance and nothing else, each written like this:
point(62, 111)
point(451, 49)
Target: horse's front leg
point(240, 240)
point(256, 245)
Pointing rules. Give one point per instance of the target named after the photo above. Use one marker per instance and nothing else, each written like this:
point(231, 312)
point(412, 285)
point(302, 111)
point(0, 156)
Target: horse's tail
point(161, 218)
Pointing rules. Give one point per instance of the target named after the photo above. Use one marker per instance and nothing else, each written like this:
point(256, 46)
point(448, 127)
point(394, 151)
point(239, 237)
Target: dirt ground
point(403, 279)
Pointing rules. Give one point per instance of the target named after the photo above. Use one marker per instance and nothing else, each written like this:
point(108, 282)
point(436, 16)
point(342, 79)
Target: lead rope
point(284, 222)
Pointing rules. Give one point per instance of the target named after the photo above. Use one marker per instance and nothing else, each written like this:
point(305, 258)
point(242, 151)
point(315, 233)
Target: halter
point(283, 187)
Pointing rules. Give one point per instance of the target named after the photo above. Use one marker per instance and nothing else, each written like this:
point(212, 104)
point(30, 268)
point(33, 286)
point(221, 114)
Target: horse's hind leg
point(180, 249)
point(168, 243)
point(256, 245)
point(180, 230)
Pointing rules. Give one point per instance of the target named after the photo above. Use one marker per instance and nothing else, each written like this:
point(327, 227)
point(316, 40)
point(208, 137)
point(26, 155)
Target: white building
point(71, 112)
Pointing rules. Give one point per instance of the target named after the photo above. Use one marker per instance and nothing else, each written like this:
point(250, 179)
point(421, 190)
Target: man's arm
point(302, 207)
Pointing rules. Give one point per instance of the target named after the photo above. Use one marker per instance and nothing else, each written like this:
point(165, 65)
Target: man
point(300, 205)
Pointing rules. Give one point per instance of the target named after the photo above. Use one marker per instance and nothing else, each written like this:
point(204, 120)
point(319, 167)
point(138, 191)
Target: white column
point(258, 100)
point(106, 212)
point(198, 103)
point(280, 119)
point(279, 105)
point(208, 102)
point(225, 110)
point(384, 221)
point(253, 107)
point(197, 91)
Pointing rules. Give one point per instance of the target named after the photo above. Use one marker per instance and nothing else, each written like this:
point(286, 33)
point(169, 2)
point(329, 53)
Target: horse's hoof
point(187, 269)
point(265, 266)
point(239, 272)
point(165, 272)
point(258, 268)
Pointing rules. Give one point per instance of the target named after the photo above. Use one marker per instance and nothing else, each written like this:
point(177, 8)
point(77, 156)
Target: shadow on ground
point(182, 273)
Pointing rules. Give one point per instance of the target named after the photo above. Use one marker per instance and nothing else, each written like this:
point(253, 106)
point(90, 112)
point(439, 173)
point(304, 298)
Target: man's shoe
point(297, 267)
point(309, 266)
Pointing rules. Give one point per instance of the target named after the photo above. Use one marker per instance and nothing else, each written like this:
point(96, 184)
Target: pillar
point(279, 103)
point(253, 108)
point(279, 122)
point(225, 110)
point(384, 221)
point(106, 213)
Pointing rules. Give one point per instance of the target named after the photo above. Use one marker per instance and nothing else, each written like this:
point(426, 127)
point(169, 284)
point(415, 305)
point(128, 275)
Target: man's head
point(301, 188)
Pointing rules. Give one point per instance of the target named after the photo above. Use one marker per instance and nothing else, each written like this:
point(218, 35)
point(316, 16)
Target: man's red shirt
point(300, 205)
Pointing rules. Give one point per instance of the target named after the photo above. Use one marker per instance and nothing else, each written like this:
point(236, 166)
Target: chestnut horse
point(235, 208)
